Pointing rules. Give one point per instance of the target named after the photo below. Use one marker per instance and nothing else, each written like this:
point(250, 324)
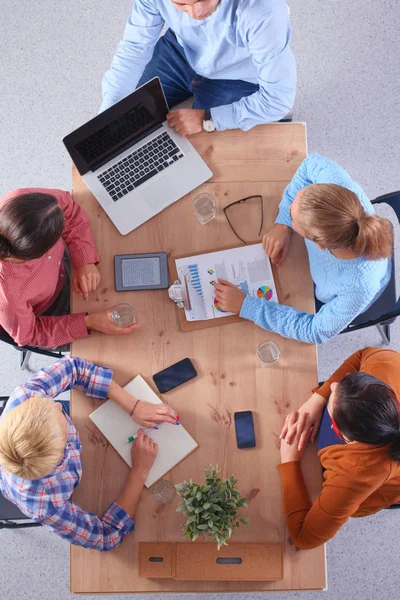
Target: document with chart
point(247, 267)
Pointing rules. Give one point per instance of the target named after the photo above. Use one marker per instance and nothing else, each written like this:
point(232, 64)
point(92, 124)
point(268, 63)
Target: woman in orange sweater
point(357, 414)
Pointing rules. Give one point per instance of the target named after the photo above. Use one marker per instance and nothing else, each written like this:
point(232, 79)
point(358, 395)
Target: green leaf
point(206, 505)
point(198, 510)
point(202, 527)
point(190, 520)
point(210, 523)
point(244, 520)
point(198, 496)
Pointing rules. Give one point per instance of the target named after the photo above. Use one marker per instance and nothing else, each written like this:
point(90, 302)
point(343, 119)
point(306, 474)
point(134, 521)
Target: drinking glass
point(163, 491)
point(123, 315)
point(204, 208)
point(268, 352)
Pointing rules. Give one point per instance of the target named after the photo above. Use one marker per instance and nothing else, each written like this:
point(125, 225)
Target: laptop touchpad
point(162, 195)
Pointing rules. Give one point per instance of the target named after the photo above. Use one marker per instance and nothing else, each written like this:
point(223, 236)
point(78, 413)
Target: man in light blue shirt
point(233, 56)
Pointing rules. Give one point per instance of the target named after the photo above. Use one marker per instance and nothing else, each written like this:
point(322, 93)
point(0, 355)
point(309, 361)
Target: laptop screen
point(117, 128)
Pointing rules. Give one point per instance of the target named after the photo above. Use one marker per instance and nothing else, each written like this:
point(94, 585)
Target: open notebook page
point(174, 442)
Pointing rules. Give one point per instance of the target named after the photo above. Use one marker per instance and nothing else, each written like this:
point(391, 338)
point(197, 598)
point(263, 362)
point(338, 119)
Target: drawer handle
point(156, 559)
point(229, 560)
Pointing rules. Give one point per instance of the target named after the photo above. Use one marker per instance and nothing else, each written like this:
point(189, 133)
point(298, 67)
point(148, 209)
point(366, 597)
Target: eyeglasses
point(336, 429)
point(229, 211)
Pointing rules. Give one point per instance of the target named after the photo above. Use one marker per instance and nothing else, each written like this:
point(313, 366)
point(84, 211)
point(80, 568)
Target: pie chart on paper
point(217, 306)
point(264, 291)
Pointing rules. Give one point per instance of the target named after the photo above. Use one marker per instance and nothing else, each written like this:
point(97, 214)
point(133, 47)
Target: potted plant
point(211, 509)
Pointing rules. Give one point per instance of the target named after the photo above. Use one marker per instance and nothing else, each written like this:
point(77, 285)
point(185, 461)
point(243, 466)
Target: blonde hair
point(32, 440)
point(333, 216)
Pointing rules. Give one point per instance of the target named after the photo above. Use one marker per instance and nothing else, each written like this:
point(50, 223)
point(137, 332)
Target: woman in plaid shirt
point(40, 463)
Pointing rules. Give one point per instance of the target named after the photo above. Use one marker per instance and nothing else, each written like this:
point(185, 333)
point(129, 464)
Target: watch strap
point(207, 114)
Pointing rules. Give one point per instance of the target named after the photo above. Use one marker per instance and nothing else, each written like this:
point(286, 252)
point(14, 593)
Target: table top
point(261, 161)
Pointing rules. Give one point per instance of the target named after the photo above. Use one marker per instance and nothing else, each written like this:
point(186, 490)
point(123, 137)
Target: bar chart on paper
point(195, 280)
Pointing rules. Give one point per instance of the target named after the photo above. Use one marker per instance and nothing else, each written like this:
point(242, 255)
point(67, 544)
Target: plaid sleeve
point(87, 529)
point(63, 375)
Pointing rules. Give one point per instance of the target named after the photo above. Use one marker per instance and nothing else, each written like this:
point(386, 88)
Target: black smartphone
point(244, 426)
point(170, 378)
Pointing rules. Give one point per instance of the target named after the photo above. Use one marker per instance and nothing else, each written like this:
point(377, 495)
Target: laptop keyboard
point(136, 168)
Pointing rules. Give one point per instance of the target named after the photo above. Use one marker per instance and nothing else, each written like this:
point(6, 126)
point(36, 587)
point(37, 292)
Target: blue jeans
point(180, 82)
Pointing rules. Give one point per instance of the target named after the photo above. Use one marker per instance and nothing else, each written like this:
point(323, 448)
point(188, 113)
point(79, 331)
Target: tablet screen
point(141, 271)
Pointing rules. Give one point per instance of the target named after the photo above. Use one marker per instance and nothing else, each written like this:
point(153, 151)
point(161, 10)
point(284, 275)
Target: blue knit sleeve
point(314, 169)
point(331, 319)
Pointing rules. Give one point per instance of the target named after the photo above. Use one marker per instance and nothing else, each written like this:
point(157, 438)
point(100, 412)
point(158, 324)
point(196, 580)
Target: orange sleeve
point(312, 524)
point(370, 359)
point(350, 365)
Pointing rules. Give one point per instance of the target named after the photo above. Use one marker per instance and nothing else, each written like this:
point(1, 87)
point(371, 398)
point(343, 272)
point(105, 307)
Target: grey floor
point(53, 55)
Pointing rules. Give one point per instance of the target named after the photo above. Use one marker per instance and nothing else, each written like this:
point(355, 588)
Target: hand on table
point(276, 243)
point(149, 414)
point(102, 321)
point(294, 451)
point(314, 407)
point(230, 298)
point(143, 454)
point(86, 279)
point(186, 121)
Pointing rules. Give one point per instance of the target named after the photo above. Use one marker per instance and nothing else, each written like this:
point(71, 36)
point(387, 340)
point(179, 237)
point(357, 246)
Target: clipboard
point(185, 325)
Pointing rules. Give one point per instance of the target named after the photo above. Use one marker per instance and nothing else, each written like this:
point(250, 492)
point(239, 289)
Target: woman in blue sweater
point(349, 249)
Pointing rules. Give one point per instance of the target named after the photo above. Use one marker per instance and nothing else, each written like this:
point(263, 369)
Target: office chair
point(26, 351)
point(9, 513)
point(386, 308)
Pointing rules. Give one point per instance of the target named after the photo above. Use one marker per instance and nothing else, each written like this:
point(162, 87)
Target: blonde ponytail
point(374, 239)
point(333, 217)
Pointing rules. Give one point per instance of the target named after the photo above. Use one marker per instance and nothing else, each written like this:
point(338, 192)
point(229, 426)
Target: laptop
point(132, 161)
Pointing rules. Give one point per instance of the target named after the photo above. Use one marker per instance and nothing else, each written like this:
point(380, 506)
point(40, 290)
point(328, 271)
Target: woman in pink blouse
point(35, 227)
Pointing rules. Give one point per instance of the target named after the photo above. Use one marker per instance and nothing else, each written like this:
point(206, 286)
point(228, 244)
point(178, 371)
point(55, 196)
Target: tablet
point(141, 271)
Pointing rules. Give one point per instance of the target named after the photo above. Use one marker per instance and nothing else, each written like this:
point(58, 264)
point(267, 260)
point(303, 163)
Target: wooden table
point(261, 161)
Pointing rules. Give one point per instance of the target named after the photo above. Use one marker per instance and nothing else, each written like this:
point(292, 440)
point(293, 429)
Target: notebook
point(248, 267)
point(174, 442)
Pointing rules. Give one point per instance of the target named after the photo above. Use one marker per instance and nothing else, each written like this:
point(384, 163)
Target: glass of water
point(163, 491)
point(123, 315)
point(268, 352)
point(204, 208)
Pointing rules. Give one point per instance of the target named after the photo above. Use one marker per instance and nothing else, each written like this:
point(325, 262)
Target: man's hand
point(294, 452)
point(143, 454)
point(102, 321)
point(314, 407)
point(186, 121)
point(86, 279)
point(276, 243)
point(149, 414)
point(230, 298)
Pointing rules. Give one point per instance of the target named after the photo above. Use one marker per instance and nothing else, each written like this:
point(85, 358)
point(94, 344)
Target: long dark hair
point(30, 224)
point(367, 411)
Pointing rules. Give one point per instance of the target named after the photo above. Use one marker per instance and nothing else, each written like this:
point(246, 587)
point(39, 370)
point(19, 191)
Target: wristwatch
point(208, 123)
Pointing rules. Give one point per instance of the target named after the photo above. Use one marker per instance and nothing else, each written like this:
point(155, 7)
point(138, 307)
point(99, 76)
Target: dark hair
point(367, 411)
point(30, 224)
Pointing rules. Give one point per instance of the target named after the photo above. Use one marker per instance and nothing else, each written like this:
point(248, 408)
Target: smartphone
point(244, 425)
point(170, 378)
